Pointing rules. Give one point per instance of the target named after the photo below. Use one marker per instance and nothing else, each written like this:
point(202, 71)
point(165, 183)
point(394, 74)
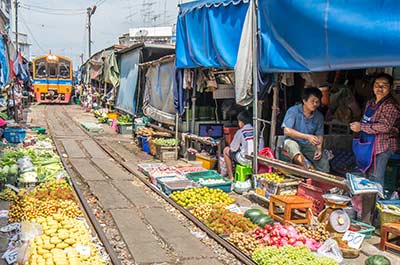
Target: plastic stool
point(242, 171)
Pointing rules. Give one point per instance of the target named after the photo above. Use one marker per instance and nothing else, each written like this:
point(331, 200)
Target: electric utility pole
point(16, 3)
point(90, 12)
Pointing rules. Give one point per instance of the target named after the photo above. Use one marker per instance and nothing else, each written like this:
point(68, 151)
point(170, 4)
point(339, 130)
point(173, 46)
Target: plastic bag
point(25, 164)
point(28, 232)
point(330, 249)
point(242, 186)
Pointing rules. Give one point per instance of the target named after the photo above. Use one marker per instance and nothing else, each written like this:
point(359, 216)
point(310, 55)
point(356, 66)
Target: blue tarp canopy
point(323, 35)
point(208, 33)
point(4, 66)
point(129, 64)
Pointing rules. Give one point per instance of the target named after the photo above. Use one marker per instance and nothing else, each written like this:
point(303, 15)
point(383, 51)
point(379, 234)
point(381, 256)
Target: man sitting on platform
point(241, 145)
point(303, 127)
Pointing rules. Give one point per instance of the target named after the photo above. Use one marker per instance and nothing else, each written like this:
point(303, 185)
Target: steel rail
point(227, 245)
point(99, 231)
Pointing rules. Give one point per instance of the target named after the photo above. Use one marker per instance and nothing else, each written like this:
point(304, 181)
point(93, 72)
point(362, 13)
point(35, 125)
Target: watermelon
point(253, 214)
point(377, 260)
point(263, 220)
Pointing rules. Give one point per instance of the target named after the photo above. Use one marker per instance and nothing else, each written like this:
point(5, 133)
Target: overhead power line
point(31, 34)
point(53, 9)
point(74, 13)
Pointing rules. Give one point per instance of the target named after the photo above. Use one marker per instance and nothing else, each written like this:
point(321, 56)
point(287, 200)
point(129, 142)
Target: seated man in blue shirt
point(303, 127)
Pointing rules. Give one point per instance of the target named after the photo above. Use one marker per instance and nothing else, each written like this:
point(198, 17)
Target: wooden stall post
point(274, 115)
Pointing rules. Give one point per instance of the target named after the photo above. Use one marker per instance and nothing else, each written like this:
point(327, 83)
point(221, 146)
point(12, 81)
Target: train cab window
point(40, 69)
point(52, 70)
point(64, 71)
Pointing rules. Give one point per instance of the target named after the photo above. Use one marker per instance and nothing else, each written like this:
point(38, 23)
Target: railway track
point(84, 205)
point(239, 255)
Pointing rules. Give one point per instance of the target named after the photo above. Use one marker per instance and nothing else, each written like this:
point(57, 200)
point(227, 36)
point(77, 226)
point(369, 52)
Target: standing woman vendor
point(379, 132)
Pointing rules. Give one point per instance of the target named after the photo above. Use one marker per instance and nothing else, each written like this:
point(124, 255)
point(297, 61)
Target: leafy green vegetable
point(125, 119)
point(166, 142)
point(3, 115)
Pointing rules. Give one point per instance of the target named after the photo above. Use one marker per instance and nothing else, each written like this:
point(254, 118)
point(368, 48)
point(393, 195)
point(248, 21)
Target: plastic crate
point(161, 181)
point(314, 190)
point(166, 153)
point(125, 128)
point(15, 135)
point(211, 174)
point(39, 130)
point(366, 229)
point(387, 216)
point(179, 186)
point(267, 188)
point(208, 162)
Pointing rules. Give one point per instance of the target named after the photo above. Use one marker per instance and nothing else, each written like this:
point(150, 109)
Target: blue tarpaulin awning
point(208, 33)
point(324, 35)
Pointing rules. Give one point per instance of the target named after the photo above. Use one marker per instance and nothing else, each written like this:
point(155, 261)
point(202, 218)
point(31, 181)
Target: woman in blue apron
point(379, 131)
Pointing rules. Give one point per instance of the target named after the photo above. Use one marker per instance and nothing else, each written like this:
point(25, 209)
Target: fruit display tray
point(170, 187)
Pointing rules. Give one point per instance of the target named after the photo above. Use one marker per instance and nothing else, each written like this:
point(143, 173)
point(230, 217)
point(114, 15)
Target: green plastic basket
point(211, 174)
point(366, 229)
point(39, 130)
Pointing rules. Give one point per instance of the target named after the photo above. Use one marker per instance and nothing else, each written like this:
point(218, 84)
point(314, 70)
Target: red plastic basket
point(314, 190)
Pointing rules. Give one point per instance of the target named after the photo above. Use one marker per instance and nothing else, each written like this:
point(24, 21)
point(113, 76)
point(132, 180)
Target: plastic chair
point(242, 171)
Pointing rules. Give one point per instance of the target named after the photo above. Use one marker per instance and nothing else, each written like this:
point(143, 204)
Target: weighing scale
point(334, 215)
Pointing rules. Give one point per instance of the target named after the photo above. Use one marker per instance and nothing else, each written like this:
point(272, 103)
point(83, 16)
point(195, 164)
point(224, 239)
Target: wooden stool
point(393, 228)
point(289, 203)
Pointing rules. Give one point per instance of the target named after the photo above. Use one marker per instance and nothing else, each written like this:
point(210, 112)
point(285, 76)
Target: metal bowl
point(336, 199)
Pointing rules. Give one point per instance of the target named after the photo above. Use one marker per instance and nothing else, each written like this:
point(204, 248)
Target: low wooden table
point(289, 203)
point(392, 228)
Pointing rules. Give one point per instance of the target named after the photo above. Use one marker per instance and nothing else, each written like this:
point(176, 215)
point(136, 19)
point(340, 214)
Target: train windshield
point(64, 69)
point(40, 66)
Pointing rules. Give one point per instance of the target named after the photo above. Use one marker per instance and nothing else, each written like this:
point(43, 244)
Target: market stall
point(99, 80)
point(46, 221)
point(276, 187)
point(206, 57)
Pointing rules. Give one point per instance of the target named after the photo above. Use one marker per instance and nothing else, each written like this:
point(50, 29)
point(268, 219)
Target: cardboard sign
point(354, 239)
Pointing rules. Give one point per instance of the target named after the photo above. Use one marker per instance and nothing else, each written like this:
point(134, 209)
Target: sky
point(60, 26)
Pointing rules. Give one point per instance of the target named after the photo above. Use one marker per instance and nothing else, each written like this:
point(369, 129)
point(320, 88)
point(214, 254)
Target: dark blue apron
point(364, 146)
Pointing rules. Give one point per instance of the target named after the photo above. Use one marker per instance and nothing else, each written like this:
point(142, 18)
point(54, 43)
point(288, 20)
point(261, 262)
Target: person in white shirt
point(241, 145)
